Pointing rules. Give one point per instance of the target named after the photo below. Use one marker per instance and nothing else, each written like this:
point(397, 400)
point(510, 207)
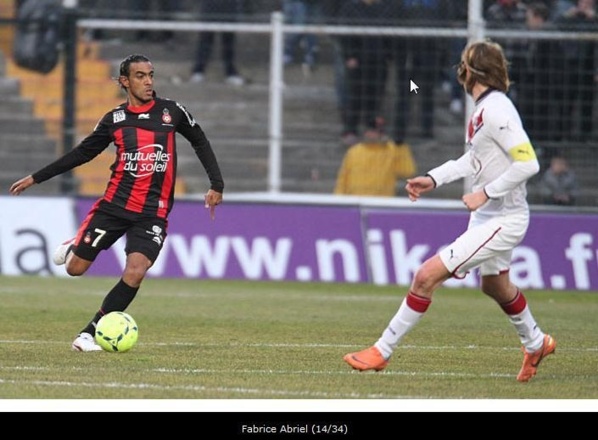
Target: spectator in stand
point(506, 11)
point(541, 101)
point(458, 19)
point(374, 166)
point(510, 14)
point(94, 9)
point(161, 10)
point(558, 7)
point(301, 12)
point(419, 59)
point(221, 11)
point(365, 60)
point(331, 14)
point(559, 185)
point(580, 68)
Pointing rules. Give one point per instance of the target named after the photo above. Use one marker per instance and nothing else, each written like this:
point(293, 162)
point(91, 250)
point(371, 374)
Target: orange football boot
point(532, 360)
point(368, 359)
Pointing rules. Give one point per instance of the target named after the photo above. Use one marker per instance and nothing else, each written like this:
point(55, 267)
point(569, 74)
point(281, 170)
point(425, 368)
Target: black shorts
point(101, 229)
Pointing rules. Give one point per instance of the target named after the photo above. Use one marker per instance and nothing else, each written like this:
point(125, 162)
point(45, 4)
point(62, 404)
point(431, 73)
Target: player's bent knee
point(429, 276)
point(74, 272)
point(77, 267)
point(422, 280)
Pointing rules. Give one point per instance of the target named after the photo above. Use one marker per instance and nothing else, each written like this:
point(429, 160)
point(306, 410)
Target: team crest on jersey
point(166, 118)
point(118, 116)
point(475, 124)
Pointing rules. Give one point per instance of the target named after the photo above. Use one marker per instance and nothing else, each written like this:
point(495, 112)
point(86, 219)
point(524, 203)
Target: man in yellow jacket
point(373, 166)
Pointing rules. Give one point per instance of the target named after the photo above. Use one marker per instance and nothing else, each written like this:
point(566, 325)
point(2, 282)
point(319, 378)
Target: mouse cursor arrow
point(413, 87)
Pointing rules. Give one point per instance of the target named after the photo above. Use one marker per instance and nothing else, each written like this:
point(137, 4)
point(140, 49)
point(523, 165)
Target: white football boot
point(62, 251)
point(85, 342)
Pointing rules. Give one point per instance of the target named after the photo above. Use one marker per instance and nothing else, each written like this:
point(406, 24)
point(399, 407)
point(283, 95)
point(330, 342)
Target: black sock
point(117, 300)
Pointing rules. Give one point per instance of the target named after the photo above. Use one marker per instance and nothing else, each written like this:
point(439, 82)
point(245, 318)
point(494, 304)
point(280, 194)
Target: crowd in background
point(561, 71)
point(553, 80)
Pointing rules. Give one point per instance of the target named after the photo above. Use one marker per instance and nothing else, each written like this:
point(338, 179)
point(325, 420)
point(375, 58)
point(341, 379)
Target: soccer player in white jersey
point(499, 160)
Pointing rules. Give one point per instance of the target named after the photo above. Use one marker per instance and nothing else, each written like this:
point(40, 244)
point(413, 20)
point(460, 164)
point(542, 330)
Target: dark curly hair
point(125, 65)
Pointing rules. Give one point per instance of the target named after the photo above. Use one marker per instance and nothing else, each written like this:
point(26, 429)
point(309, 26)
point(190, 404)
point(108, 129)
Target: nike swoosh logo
point(360, 361)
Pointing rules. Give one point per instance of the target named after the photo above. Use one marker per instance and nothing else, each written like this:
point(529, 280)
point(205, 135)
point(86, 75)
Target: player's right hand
point(416, 186)
point(21, 185)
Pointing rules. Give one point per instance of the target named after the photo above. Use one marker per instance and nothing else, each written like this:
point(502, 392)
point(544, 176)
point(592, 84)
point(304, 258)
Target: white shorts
point(487, 244)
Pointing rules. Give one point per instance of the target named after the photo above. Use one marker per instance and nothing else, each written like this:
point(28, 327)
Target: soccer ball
point(116, 332)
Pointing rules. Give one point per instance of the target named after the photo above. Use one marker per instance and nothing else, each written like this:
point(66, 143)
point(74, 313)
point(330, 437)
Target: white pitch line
point(330, 373)
point(201, 388)
point(310, 345)
point(198, 371)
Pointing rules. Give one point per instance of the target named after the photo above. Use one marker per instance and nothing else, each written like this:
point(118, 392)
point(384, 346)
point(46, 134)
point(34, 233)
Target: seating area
point(43, 95)
point(236, 119)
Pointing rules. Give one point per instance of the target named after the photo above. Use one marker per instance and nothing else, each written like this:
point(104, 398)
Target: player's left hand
point(473, 201)
point(211, 200)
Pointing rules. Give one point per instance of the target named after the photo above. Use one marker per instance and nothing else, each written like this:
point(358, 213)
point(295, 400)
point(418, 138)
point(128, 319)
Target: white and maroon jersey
point(499, 159)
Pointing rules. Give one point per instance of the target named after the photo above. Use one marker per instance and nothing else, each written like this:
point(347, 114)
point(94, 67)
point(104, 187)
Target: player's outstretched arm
point(21, 185)
point(418, 185)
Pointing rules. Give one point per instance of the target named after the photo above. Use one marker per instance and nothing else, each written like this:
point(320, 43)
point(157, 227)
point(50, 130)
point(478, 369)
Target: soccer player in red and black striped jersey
point(140, 193)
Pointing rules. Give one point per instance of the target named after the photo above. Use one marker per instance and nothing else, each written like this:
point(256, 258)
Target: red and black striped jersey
point(144, 170)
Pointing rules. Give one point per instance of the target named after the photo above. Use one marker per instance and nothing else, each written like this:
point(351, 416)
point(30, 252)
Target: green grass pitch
point(225, 341)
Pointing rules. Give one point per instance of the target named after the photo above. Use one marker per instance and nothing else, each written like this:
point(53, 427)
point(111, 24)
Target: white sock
point(529, 333)
point(403, 321)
